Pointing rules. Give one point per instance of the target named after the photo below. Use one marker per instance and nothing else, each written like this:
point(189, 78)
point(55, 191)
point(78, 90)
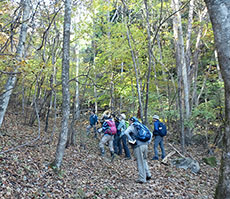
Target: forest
point(62, 59)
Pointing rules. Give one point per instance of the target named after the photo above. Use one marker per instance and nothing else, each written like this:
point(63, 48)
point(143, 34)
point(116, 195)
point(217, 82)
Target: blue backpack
point(162, 129)
point(143, 133)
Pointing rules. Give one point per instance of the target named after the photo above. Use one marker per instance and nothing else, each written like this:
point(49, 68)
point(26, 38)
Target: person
point(109, 129)
point(116, 143)
point(140, 150)
point(93, 120)
point(121, 137)
point(158, 140)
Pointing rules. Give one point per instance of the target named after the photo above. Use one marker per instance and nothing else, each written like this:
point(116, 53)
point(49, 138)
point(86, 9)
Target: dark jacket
point(156, 128)
point(93, 119)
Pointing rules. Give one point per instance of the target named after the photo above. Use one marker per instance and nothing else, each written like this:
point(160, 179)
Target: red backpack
point(112, 130)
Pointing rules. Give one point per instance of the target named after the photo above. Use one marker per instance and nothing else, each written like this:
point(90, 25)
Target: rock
point(186, 163)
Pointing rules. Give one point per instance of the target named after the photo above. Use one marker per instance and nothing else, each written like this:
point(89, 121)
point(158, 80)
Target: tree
point(150, 61)
point(219, 12)
point(181, 66)
point(5, 97)
point(65, 89)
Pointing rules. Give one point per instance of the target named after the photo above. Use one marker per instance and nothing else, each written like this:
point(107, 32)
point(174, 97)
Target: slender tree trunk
point(133, 97)
point(50, 106)
point(77, 93)
point(150, 62)
point(219, 12)
point(95, 76)
point(37, 97)
point(54, 105)
point(187, 84)
point(76, 104)
point(179, 46)
point(188, 37)
point(163, 72)
point(203, 87)
point(135, 62)
point(112, 100)
point(23, 97)
point(137, 77)
point(183, 64)
point(122, 79)
point(5, 98)
point(52, 79)
point(196, 56)
point(65, 89)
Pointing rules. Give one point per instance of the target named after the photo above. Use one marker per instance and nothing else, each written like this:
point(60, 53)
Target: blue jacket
point(93, 119)
point(122, 126)
point(156, 128)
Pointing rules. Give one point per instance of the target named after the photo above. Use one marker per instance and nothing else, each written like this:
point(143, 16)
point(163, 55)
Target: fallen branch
point(164, 161)
point(177, 151)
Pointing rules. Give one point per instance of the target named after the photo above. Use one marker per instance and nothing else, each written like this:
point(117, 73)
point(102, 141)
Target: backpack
point(162, 130)
point(143, 133)
point(112, 130)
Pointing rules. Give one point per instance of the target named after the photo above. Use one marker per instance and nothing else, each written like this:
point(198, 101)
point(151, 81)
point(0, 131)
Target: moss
point(55, 169)
point(210, 161)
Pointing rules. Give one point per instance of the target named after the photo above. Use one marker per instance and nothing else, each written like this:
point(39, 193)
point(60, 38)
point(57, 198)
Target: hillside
point(25, 173)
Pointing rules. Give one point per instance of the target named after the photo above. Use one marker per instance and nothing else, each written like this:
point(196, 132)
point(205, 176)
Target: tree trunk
point(219, 12)
point(180, 62)
point(5, 98)
point(122, 80)
point(76, 104)
point(65, 89)
point(194, 71)
point(150, 62)
point(187, 84)
point(95, 75)
point(77, 94)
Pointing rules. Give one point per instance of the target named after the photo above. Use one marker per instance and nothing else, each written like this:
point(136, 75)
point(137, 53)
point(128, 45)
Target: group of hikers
point(118, 132)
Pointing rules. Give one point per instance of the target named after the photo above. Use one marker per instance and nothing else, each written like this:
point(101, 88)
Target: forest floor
point(25, 172)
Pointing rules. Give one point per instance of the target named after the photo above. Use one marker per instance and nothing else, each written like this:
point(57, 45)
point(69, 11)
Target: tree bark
point(180, 62)
point(65, 89)
point(219, 12)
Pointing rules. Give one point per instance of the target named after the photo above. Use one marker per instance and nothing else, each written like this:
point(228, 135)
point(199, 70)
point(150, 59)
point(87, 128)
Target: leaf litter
point(25, 172)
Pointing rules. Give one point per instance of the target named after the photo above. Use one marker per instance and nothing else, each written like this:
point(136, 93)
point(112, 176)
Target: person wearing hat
point(122, 138)
point(158, 140)
point(140, 150)
point(92, 123)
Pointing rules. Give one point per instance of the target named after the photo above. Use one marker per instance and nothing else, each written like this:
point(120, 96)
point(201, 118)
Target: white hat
point(156, 117)
point(106, 114)
point(123, 116)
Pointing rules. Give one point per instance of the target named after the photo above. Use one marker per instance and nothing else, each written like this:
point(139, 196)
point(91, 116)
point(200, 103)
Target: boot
point(112, 156)
point(102, 152)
